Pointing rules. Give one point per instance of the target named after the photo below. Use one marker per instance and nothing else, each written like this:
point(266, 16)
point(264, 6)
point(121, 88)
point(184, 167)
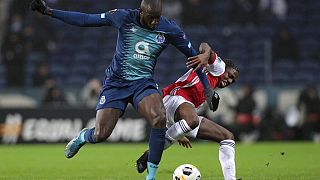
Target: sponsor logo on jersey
point(143, 52)
point(160, 38)
point(102, 100)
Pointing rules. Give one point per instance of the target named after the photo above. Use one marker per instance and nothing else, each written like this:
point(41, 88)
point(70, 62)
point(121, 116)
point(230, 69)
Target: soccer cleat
point(141, 163)
point(74, 145)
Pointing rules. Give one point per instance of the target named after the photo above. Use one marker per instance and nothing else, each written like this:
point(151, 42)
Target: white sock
point(193, 133)
point(175, 132)
point(226, 157)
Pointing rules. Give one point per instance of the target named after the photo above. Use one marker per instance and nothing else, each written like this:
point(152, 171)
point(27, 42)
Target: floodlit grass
point(265, 161)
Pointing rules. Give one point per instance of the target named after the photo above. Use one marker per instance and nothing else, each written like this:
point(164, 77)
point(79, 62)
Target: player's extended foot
point(74, 145)
point(141, 163)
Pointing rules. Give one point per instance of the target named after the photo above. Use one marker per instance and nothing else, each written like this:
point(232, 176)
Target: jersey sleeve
point(115, 17)
point(213, 56)
point(179, 40)
point(110, 18)
point(217, 67)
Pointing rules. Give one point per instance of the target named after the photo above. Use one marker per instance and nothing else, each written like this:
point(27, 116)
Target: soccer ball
point(186, 172)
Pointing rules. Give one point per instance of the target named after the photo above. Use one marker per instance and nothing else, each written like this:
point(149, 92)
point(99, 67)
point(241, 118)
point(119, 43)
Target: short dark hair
point(153, 4)
point(230, 64)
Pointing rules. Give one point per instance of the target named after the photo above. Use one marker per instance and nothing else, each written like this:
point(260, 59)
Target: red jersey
point(189, 85)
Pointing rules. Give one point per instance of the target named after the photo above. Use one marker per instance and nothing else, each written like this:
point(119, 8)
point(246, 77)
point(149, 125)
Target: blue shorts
point(117, 95)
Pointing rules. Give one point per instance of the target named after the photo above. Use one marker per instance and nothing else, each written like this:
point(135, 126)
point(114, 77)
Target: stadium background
point(52, 68)
point(50, 74)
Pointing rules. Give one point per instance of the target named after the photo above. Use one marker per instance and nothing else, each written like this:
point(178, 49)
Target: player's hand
point(40, 6)
point(212, 98)
point(199, 61)
point(185, 142)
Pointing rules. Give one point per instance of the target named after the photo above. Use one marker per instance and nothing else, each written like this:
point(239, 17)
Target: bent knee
point(223, 135)
point(158, 121)
point(227, 135)
point(193, 122)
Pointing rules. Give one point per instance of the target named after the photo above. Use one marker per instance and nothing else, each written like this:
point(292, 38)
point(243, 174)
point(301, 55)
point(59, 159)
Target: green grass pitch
point(264, 161)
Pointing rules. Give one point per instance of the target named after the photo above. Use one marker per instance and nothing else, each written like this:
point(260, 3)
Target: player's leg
point(175, 130)
point(189, 120)
point(111, 105)
point(106, 119)
point(151, 108)
point(209, 130)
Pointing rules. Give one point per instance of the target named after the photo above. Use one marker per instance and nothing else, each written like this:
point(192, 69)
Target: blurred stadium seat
point(91, 49)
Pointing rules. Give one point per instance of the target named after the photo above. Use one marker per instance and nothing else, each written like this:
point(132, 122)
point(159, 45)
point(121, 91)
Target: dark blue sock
point(88, 136)
point(156, 145)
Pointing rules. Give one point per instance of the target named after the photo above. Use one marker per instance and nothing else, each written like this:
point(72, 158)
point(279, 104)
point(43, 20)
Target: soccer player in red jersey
point(181, 100)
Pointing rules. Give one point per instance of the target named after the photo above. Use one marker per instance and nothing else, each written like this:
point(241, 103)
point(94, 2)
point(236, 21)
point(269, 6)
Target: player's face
point(228, 77)
point(149, 19)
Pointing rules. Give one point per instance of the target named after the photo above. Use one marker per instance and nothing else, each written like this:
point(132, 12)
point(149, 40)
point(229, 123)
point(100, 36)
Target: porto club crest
point(160, 38)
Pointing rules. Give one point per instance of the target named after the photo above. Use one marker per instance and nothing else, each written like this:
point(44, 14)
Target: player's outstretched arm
point(73, 18)
point(202, 59)
point(212, 97)
point(180, 41)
